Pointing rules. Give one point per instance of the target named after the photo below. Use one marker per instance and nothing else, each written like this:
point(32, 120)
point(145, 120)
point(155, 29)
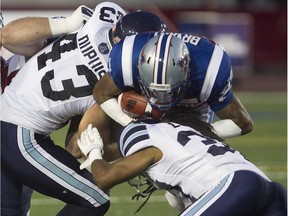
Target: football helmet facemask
point(164, 68)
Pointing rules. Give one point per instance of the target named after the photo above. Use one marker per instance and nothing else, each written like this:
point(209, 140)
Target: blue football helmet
point(137, 22)
point(164, 68)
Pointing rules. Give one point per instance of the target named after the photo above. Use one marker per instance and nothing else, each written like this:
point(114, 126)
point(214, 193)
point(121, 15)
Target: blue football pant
point(15, 195)
point(33, 160)
point(243, 193)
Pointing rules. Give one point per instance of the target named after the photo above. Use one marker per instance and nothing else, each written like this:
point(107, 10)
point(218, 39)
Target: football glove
point(91, 145)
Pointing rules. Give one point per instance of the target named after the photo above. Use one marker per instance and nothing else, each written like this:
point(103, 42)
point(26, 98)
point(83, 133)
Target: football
point(135, 105)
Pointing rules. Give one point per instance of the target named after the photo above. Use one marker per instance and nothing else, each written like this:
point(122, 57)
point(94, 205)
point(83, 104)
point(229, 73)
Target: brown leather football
point(136, 105)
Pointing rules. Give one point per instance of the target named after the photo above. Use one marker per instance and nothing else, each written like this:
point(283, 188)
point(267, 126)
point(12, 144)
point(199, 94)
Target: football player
point(164, 66)
point(22, 38)
point(52, 87)
point(25, 37)
point(186, 158)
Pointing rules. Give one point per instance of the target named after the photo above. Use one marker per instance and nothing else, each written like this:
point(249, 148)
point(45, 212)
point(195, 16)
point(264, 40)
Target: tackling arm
point(26, 36)
point(72, 137)
point(105, 92)
point(235, 120)
point(105, 174)
point(108, 175)
point(99, 119)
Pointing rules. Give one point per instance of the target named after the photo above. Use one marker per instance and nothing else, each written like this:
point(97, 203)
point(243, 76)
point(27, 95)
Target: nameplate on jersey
point(92, 56)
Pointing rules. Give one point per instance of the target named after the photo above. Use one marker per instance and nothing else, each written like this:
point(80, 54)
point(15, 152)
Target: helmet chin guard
point(164, 68)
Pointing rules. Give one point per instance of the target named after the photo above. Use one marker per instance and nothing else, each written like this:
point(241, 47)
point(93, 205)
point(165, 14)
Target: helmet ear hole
point(148, 60)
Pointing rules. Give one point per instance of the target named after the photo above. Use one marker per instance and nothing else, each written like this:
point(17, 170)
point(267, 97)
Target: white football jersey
point(56, 83)
point(191, 163)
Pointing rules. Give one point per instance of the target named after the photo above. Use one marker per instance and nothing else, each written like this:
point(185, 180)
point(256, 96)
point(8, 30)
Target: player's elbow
point(247, 126)
point(5, 37)
point(105, 89)
point(101, 182)
point(99, 94)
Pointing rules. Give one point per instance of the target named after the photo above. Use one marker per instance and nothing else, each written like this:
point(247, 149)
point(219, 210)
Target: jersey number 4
point(69, 88)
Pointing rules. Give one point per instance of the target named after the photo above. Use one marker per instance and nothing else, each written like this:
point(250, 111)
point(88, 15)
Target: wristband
point(112, 108)
point(95, 154)
point(226, 128)
point(57, 26)
point(61, 26)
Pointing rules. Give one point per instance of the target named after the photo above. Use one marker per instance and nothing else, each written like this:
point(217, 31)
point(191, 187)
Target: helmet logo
point(142, 58)
point(182, 62)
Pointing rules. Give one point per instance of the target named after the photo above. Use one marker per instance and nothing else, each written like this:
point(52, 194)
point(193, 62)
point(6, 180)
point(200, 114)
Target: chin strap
point(226, 129)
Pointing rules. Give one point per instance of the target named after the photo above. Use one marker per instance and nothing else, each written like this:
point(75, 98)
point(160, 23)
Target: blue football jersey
point(210, 75)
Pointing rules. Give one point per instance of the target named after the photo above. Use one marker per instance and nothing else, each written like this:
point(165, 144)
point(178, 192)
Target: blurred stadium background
point(254, 33)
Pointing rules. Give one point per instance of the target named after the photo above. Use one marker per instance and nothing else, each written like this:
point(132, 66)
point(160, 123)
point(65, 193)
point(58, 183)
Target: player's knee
point(15, 208)
point(13, 211)
point(174, 201)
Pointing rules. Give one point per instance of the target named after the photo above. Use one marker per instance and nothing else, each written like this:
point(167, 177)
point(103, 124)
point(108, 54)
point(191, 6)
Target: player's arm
point(100, 120)
point(105, 92)
point(105, 89)
point(26, 36)
point(107, 175)
point(235, 120)
point(72, 137)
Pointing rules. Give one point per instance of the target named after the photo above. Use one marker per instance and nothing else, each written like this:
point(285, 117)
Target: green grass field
point(266, 146)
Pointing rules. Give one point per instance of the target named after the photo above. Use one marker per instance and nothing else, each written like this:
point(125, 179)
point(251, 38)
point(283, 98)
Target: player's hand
point(91, 145)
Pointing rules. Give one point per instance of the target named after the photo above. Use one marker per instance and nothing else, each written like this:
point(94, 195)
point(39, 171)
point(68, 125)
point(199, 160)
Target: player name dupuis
point(89, 52)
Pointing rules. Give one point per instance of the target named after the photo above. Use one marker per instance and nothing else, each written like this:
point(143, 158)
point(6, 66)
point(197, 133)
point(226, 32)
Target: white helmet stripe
point(211, 73)
point(165, 60)
point(127, 50)
point(162, 53)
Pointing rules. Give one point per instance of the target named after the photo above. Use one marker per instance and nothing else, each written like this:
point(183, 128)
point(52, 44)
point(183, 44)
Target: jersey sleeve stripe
point(134, 141)
point(131, 135)
point(212, 72)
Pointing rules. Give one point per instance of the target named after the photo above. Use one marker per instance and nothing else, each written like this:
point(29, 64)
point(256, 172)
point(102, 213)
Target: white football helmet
point(164, 68)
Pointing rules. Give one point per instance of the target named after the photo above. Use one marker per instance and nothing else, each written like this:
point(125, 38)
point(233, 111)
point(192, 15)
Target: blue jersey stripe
point(131, 135)
point(134, 141)
point(133, 130)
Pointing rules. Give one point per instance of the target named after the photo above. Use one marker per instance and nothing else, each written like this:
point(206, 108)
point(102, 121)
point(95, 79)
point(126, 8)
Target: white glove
point(91, 145)
point(61, 26)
